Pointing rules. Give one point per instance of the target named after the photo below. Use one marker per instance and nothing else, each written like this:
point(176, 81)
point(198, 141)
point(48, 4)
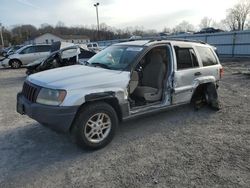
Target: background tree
point(138, 31)
point(6, 36)
point(184, 26)
point(231, 21)
point(60, 24)
point(167, 30)
point(22, 33)
point(46, 28)
point(220, 25)
point(237, 16)
point(206, 22)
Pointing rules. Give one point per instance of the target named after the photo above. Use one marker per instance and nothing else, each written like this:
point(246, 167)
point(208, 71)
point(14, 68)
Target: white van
point(26, 55)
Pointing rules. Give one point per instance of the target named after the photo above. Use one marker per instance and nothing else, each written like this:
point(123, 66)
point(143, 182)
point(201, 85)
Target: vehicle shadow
point(33, 147)
point(170, 119)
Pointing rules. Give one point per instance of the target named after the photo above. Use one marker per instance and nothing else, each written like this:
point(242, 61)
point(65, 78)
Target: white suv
point(26, 55)
point(123, 81)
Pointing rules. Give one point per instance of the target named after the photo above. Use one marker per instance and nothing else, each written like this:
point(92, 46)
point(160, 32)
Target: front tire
point(15, 64)
point(95, 125)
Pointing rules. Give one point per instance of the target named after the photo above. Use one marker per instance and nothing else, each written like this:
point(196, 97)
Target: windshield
point(21, 49)
point(115, 57)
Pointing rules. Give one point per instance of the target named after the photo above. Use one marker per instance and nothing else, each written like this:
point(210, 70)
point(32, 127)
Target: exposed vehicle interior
point(147, 80)
point(61, 58)
point(115, 57)
point(67, 57)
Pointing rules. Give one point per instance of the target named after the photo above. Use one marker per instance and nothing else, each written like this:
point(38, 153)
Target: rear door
point(42, 51)
point(187, 69)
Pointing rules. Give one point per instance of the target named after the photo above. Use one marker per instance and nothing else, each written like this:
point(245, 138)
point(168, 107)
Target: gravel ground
point(176, 148)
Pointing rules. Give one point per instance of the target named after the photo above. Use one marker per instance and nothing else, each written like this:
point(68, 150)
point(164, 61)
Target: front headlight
point(51, 96)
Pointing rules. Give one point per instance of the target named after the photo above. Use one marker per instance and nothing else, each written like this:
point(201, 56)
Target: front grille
point(30, 91)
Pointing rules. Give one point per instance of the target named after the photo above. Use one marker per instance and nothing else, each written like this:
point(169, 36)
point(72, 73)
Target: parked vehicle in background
point(165, 34)
point(1, 56)
point(64, 57)
point(183, 33)
point(209, 30)
point(26, 54)
point(13, 50)
point(135, 37)
point(94, 46)
point(122, 81)
point(4, 51)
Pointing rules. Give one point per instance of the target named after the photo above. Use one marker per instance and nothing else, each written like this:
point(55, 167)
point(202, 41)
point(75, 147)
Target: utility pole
point(1, 35)
point(97, 17)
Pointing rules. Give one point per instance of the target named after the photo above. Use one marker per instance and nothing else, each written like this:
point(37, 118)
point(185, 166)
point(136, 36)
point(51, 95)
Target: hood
point(13, 56)
point(78, 77)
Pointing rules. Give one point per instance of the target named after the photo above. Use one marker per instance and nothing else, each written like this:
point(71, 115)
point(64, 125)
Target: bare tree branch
point(237, 16)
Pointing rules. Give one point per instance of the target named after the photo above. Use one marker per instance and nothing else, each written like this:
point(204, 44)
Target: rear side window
point(43, 48)
point(186, 58)
point(207, 56)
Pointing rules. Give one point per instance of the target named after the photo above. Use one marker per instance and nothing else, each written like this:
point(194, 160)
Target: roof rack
point(186, 40)
point(173, 39)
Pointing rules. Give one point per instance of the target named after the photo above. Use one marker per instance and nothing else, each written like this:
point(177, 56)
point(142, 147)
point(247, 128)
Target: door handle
point(197, 74)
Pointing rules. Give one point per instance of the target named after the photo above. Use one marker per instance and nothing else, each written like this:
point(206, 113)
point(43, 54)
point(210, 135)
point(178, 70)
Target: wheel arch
point(15, 59)
point(107, 97)
point(200, 89)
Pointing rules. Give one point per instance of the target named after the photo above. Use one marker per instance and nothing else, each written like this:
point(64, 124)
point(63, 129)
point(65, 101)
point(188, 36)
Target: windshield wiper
point(100, 65)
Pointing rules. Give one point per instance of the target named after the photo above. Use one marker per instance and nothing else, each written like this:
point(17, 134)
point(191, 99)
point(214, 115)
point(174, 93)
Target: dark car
point(209, 30)
point(64, 57)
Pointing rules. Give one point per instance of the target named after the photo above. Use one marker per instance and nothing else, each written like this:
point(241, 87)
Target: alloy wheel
point(15, 64)
point(97, 127)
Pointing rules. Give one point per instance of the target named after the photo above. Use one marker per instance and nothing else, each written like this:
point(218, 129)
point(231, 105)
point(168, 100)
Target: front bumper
point(5, 62)
point(1, 58)
point(58, 118)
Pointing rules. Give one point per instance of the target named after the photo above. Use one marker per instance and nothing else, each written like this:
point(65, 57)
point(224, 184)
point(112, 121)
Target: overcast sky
point(154, 14)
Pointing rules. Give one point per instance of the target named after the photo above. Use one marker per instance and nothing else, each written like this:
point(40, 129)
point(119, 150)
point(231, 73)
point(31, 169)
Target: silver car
point(26, 55)
point(121, 82)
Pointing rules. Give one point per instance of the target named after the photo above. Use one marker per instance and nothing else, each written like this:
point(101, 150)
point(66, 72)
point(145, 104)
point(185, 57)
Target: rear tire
point(211, 97)
point(15, 64)
point(94, 126)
